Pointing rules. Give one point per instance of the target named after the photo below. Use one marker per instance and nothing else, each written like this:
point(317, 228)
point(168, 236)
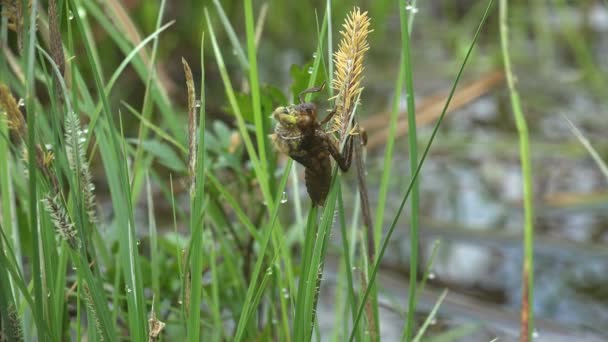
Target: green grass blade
point(234, 40)
point(585, 142)
point(30, 96)
point(413, 156)
point(430, 317)
point(254, 84)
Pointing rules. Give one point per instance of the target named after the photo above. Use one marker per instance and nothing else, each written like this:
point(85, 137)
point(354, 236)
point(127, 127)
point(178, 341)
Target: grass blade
point(527, 314)
point(413, 156)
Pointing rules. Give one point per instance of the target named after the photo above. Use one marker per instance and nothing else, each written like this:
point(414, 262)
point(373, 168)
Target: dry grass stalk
point(348, 61)
point(192, 125)
point(155, 326)
point(55, 43)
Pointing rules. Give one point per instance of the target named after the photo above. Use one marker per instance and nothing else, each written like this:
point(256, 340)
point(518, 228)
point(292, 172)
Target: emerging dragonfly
point(299, 135)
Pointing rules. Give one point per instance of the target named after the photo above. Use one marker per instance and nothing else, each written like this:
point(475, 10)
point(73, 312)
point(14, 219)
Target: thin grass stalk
point(146, 110)
point(425, 277)
point(30, 96)
point(430, 317)
point(254, 86)
point(417, 171)
point(352, 299)
point(587, 145)
point(154, 254)
point(234, 40)
point(527, 313)
point(413, 156)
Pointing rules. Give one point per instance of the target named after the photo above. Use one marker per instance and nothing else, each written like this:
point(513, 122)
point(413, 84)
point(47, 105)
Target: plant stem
point(527, 316)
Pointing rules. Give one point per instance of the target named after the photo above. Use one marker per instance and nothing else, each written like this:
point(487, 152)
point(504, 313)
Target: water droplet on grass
point(411, 8)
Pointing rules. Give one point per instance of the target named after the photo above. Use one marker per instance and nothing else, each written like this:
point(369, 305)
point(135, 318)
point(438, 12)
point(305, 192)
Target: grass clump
point(223, 260)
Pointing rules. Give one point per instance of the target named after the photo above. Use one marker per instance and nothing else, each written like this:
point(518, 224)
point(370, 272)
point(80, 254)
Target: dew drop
point(433, 321)
point(74, 268)
point(432, 276)
point(197, 104)
point(284, 198)
point(411, 8)
point(70, 15)
point(354, 268)
point(310, 70)
point(138, 242)
point(286, 295)
point(314, 55)
point(48, 294)
point(535, 334)
point(128, 289)
point(180, 302)
point(274, 321)
point(81, 12)
point(21, 102)
point(269, 271)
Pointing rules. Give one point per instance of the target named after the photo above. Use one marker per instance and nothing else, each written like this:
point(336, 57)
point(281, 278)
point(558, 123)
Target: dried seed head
point(155, 326)
point(192, 125)
point(348, 61)
point(14, 117)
